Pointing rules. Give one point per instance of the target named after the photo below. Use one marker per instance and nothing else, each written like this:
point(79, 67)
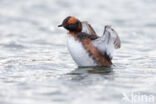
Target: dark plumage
point(83, 35)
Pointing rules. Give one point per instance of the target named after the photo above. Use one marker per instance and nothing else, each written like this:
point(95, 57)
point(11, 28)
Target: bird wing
point(87, 28)
point(107, 43)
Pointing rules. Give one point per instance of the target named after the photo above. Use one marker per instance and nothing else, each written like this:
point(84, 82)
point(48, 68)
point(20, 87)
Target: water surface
point(36, 67)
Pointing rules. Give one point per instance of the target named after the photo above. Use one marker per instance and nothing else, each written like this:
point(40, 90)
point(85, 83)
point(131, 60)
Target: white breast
point(78, 53)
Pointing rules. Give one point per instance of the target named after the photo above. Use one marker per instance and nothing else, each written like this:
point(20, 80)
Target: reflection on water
point(91, 75)
point(92, 70)
point(36, 68)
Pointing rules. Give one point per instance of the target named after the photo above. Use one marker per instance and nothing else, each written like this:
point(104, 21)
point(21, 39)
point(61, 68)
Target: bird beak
point(60, 25)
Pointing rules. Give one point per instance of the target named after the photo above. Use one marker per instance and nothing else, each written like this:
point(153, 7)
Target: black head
point(72, 24)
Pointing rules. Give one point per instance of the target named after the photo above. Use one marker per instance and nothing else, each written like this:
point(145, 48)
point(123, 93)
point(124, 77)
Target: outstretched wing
point(108, 42)
point(87, 28)
point(112, 35)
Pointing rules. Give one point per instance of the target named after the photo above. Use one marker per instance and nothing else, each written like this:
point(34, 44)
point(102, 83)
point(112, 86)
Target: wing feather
point(108, 42)
point(114, 35)
point(88, 28)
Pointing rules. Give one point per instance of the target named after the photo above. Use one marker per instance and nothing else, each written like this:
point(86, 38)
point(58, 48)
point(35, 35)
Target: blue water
point(36, 67)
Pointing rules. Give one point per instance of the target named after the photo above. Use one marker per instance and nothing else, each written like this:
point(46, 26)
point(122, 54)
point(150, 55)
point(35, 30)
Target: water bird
point(86, 47)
